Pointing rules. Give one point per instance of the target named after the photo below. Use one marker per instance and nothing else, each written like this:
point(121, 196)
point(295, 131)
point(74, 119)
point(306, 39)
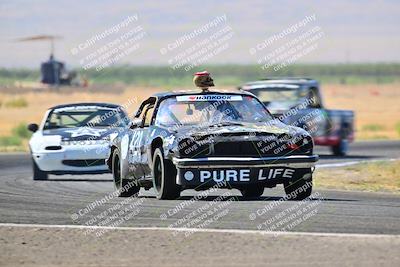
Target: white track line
point(344, 164)
point(197, 230)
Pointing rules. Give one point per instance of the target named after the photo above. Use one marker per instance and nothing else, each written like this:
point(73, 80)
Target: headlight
point(101, 141)
point(87, 142)
point(65, 143)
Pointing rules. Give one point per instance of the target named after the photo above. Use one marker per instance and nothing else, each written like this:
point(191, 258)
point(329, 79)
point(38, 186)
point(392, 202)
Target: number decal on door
point(134, 147)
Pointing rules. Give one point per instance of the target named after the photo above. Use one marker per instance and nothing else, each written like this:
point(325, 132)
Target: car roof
point(99, 104)
point(284, 80)
point(200, 92)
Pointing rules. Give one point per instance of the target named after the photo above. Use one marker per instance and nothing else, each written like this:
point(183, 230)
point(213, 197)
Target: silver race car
point(75, 138)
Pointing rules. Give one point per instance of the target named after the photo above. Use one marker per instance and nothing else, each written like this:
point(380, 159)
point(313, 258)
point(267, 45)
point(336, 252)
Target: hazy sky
point(354, 31)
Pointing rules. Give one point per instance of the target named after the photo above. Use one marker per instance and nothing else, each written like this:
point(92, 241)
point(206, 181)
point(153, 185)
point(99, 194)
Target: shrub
point(373, 127)
point(397, 127)
point(17, 103)
point(21, 131)
point(10, 141)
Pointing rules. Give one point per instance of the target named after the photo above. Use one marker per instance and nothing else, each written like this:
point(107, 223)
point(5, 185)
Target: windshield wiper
point(103, 125)
point(225, 123)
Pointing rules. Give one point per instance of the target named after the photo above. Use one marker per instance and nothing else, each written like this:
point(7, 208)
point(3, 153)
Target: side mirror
point(33, 127)
point(135, 123)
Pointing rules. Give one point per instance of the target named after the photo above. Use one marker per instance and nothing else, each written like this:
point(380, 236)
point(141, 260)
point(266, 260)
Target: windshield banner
point(205, 98)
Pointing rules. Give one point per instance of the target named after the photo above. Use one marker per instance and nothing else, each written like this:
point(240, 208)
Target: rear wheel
point(252, 191)
point(38, 174)
point(164, 174)
point(341, 148)
point(126, 187)
point(299, 188)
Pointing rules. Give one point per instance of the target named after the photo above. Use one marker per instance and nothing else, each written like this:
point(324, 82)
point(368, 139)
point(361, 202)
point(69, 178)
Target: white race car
point(75, 138)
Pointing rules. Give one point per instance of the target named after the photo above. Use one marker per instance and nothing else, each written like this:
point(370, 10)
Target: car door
point(146, 142)
point(309, 115)
point(138, 141)
point(135, 168)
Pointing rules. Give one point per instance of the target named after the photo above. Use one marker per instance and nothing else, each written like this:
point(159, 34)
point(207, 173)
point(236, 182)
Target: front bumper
point(223, 162)
point(73, 159)
point(242, 171)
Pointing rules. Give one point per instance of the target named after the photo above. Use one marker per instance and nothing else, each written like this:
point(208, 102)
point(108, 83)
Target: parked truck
point(298, 102)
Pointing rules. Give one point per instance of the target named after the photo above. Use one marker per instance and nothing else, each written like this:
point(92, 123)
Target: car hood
point(80, 133)
point(272, 128)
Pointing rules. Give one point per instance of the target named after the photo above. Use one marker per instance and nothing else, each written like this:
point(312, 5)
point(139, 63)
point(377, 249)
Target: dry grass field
point(377, 106)
point(39, 102)
point(381, 176)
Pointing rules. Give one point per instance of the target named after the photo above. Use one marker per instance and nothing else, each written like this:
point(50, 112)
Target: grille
point(236, 149)
point(53, 147)
point(261, 148)
point(192, 149)
point(84, 162)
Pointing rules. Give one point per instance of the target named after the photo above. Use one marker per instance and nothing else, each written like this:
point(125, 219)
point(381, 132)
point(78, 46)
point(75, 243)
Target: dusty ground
point(376, 106)
point(39, 246)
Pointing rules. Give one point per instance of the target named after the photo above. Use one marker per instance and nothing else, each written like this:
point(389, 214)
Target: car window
point(314, 97)
point(79, 117)
point(282, 96)
point(148, 114)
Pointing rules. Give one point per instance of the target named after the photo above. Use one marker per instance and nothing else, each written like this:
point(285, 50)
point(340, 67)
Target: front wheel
point(38, 174)
point(340, 149)
point(164, 174)
point(126, 188)
point(298, 189)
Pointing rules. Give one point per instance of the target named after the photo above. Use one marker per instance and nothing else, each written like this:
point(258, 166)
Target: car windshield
point(283, 95)
point(81, 117)
point(211, 110)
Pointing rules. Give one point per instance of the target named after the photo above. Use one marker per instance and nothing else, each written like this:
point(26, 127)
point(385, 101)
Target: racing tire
point(340, 149)
point(252, 191)
point(127, 188)
point(164, 173)
point(38, 174)
point(298, 189)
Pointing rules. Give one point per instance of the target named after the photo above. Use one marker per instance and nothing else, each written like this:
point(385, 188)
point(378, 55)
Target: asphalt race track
point(64, 200)
point(23, 200)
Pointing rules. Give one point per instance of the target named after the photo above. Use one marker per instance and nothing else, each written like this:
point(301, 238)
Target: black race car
point(200, 139)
